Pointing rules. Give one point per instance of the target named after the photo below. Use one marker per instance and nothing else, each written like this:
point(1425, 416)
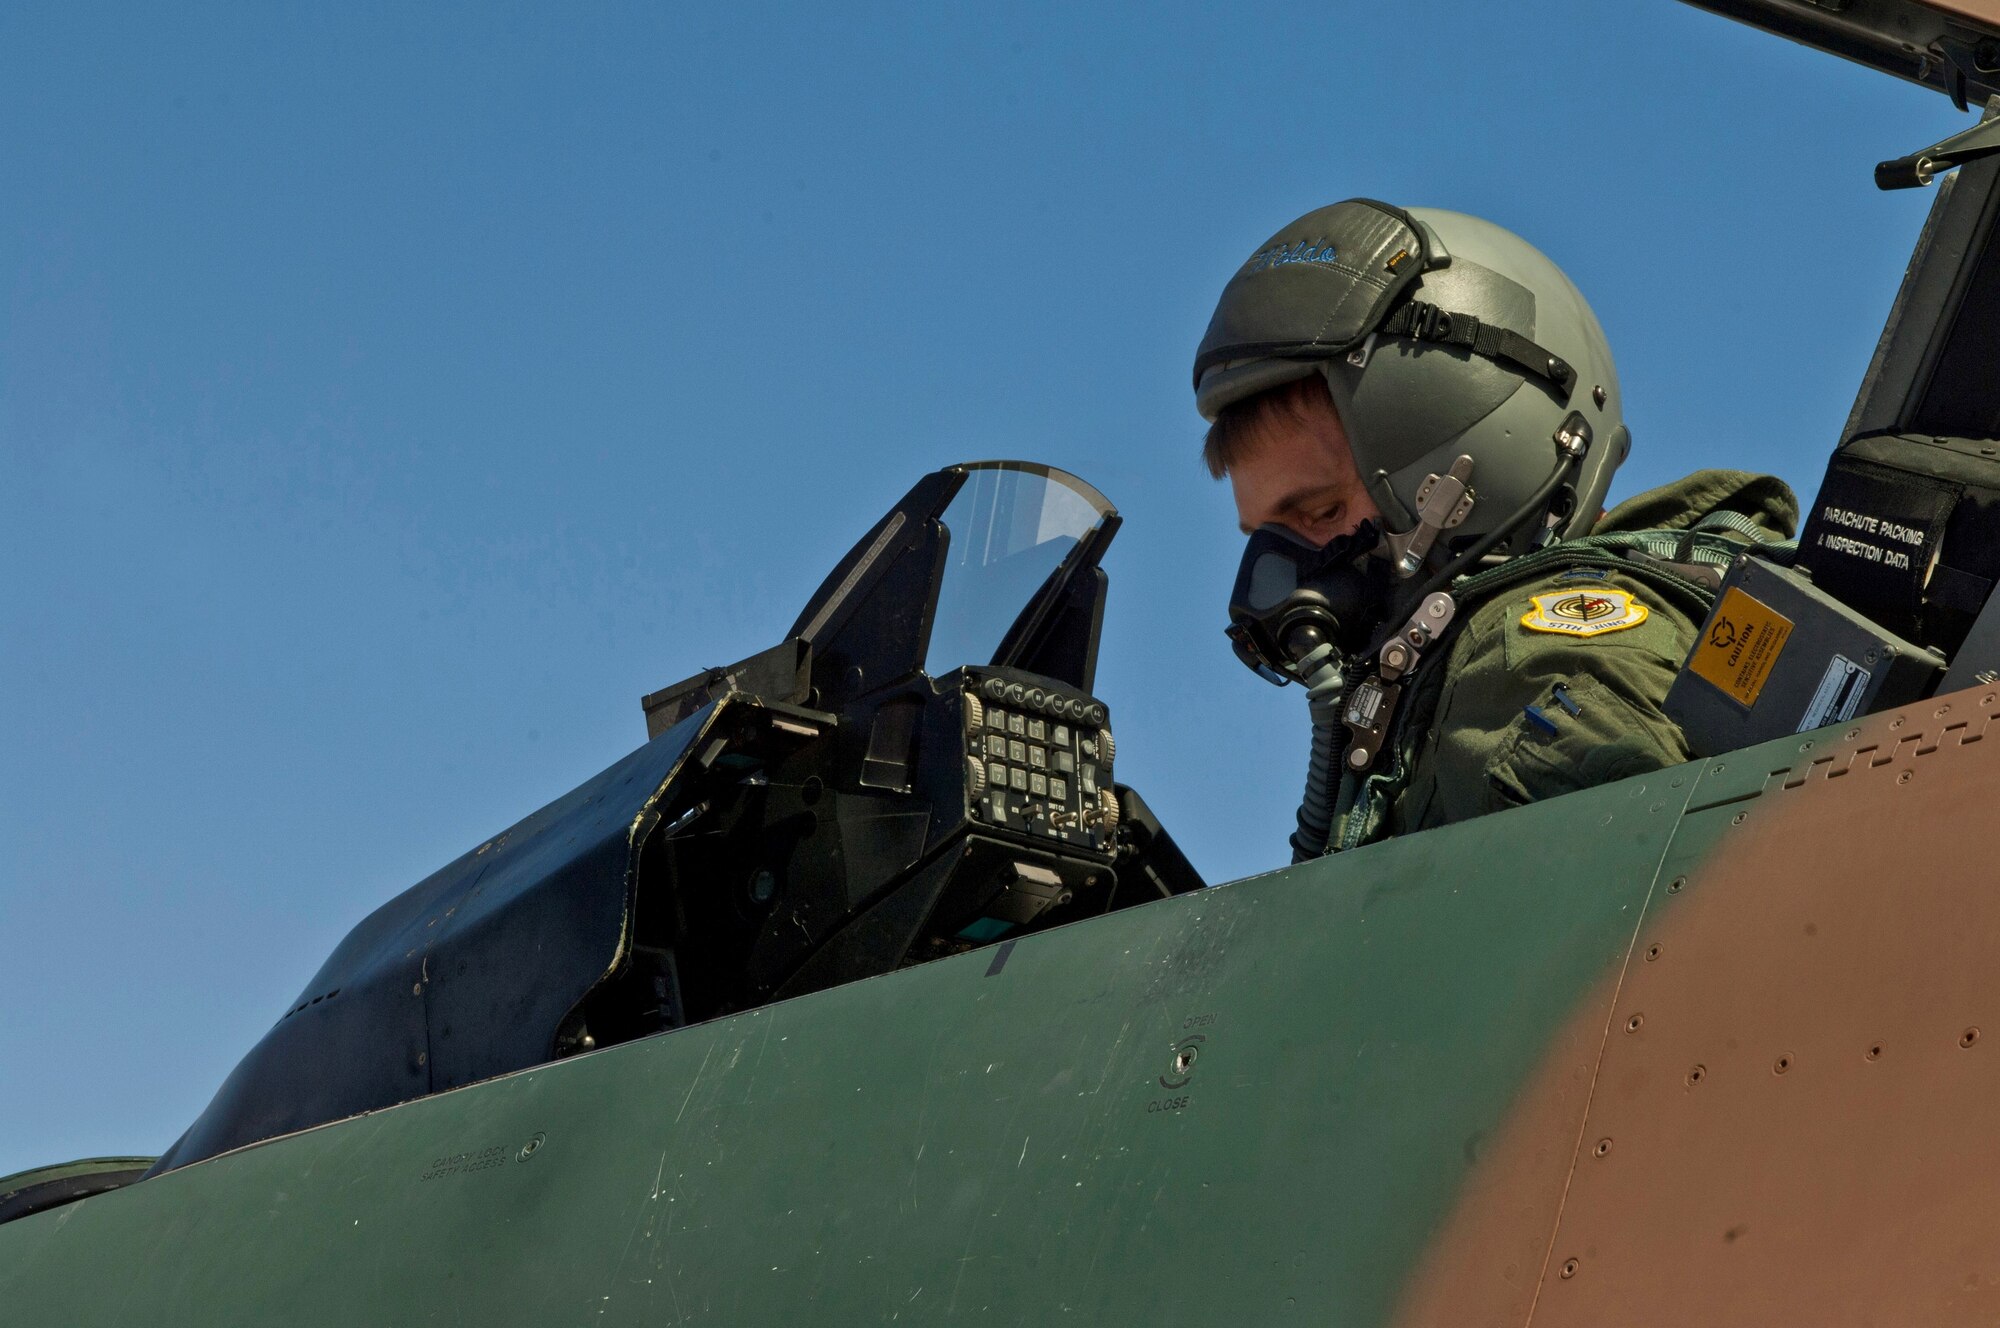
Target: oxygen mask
point(1291, 597)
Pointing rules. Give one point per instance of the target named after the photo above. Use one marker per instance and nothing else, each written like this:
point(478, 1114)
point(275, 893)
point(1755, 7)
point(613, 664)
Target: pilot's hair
point(1237, 428)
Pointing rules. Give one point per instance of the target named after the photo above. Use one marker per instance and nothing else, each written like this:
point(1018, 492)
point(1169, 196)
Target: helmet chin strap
point(1420, 320)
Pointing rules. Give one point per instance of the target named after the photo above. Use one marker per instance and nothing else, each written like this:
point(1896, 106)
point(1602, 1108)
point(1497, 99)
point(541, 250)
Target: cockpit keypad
point(1045, 758)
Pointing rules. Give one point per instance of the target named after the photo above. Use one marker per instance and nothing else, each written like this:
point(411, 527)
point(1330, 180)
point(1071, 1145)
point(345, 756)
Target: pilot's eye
point(1325, 519)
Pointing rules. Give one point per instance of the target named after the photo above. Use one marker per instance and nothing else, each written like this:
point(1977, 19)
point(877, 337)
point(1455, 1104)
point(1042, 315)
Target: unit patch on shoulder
point(1584, 612)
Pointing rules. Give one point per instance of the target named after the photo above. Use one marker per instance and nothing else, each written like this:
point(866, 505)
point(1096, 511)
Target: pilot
point(1419, 419)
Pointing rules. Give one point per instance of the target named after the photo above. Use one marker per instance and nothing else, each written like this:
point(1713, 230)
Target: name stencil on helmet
point(1584, 612)
point(1279, 255)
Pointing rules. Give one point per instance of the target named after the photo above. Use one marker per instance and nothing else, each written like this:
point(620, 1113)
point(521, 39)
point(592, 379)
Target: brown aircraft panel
point(1792, 1118)
point(1977, 11)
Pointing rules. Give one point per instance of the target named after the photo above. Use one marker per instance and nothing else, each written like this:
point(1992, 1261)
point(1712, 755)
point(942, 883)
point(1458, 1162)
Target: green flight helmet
point(1440, 336)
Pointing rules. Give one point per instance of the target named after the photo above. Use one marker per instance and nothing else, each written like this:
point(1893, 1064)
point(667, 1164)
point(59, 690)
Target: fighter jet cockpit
point(917, 769)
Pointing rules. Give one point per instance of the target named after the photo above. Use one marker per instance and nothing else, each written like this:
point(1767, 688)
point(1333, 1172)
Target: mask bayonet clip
point(1373, 704)
point(1443, 501)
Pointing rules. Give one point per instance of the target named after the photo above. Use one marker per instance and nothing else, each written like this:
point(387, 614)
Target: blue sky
point(391, 395)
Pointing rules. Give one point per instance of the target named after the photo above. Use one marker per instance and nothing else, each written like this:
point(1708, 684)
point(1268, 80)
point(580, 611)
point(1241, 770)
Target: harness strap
point(1704, 546)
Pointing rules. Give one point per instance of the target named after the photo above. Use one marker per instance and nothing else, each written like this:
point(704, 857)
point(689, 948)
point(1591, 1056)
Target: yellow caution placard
point(1740, 645)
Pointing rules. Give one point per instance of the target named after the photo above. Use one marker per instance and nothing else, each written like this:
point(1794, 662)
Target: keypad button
point(1038, 730)
point(1038, 758)
point(996, 745)
point(1058, 789)
point(996, 774)
point(1017, 725)
point(1060, 736)
point(996, 719)
point(1018, 779)
point(1066, 762)
point(1017, 751)
point(1038, 785)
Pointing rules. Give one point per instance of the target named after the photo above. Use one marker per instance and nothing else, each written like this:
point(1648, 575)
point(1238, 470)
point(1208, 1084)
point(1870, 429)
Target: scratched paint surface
point(1231, 1107)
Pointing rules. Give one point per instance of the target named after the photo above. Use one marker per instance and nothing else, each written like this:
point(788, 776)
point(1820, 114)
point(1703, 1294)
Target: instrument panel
point(1038, 761)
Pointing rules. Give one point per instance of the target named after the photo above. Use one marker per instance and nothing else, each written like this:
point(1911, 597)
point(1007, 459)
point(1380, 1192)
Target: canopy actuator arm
point(1920, 168)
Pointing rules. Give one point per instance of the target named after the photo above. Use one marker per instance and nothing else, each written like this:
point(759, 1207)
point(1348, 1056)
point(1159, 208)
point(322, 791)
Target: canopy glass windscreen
point(1012, 526)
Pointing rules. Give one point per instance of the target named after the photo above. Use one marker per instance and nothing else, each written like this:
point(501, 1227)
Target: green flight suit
point(1515, 713)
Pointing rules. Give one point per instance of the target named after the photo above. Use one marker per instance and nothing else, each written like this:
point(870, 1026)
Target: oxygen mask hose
point(1325, 677)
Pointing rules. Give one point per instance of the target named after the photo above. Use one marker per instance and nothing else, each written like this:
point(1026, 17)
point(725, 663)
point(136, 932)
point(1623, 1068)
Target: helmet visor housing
point(1313, 291)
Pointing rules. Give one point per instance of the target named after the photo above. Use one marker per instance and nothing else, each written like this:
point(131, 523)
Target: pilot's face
point(1299, 473)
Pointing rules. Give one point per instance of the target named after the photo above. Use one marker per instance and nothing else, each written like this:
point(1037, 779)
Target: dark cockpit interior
point(919, 768)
